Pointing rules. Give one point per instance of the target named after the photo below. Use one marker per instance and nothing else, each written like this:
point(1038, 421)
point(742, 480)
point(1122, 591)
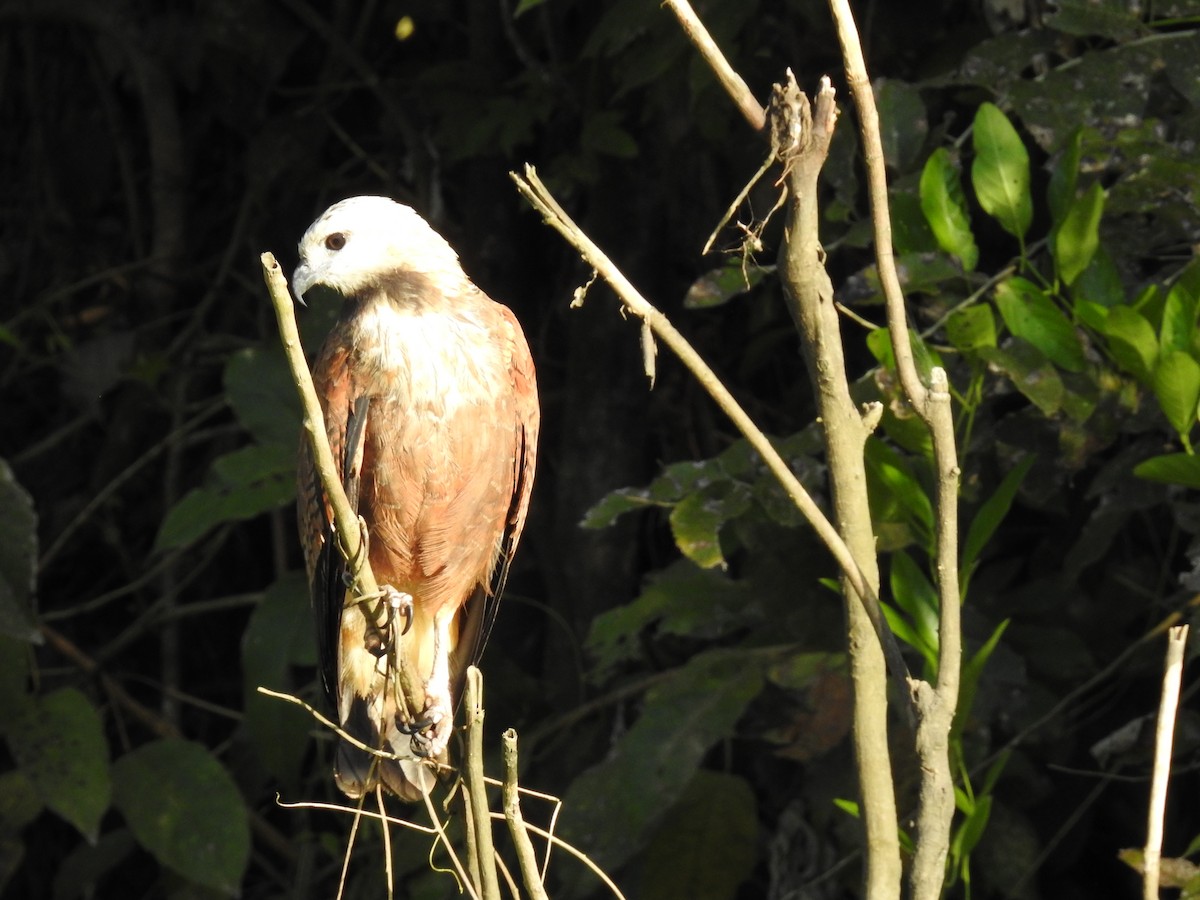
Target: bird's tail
point(357, 771)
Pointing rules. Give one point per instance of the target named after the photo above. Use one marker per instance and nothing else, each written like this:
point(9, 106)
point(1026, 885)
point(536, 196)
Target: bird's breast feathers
point(438, 475)
point(428, 360)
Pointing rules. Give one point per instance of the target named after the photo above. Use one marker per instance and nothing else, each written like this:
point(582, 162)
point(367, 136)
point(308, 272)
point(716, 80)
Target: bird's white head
point(358, 243)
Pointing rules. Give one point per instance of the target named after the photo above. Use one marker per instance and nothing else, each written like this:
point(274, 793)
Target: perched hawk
point(431, 409)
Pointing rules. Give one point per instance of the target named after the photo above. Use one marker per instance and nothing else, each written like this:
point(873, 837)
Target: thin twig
point(516, 822)
point(730, 80)
point(1164, 735)
point(508, 878)
point(358, 812)
point(464, 882)
point(366, 813)
point(386, 836)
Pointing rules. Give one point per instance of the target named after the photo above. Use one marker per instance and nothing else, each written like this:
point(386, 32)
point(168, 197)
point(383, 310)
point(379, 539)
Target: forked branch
point(937, 705)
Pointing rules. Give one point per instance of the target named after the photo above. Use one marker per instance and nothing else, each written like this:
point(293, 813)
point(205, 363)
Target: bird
point(430, 401)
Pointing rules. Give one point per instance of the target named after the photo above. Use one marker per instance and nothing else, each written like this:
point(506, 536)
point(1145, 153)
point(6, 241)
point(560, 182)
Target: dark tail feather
point(357, 772)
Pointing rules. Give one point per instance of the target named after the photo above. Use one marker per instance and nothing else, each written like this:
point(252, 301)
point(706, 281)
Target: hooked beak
point(304, 278)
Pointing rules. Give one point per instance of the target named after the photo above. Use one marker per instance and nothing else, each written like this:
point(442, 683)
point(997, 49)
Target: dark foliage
point(676, 676)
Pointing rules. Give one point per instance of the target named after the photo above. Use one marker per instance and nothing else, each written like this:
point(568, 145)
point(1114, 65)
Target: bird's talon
point(415, 728)
point(402, 604)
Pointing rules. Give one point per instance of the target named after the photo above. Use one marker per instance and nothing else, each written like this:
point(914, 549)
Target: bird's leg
point(437, 717)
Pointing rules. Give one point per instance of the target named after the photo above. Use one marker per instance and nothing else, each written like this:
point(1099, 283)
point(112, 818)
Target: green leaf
point(971, 327)
point(972, 671)
point(525, 6)
point(1177, 387)
point(903, 123)
point(907, 633)
point(1060, 193)
point(611, 507)
point(1117, 20)
point(879, 342)
point(968, 834)
point(184, 808)
point(717, 287)
point(991, 514)
point(914, 593)
point(894, 491)
point(911, 234)
point(1099, 285)
point(20, 802)
point(1030, 314)
point(278, 636)
point(945, 208)
point(58, 743)
point(798, 671)
point(263, 396)
point(1192, 848)
point(1178, 328)
point(1077, 238)
point(612, 807)
point(1171, 468)
point(706, 845)
point(1030, 372)
point(1000, 171)
point(1132, 342)
point(681, 599)
point(243, 484)
point(18, 559)
point(696, 525)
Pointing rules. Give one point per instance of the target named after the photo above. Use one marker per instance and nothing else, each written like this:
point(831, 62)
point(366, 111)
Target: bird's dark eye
point(335, 241)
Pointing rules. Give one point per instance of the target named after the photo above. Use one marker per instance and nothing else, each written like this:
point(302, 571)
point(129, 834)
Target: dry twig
point(1164, 735)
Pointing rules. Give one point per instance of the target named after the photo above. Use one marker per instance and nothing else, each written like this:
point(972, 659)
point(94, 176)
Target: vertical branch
point(346, 526)
point(478, 812)
point(516, 822)
point(802, 137)
point(345, 519)
point(936, 706)
point(1163, 738)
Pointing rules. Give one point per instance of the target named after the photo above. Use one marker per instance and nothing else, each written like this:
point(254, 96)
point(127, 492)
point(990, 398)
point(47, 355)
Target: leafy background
point(675, 666)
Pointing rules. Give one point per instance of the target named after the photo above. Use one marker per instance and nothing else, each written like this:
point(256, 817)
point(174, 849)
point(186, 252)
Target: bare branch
point(802, 132)
point(1163, 738)
point(937, 707)
point(478, 811)
point(872, 148)
point(516, 822)
point(345, 519)
point(730, 80)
